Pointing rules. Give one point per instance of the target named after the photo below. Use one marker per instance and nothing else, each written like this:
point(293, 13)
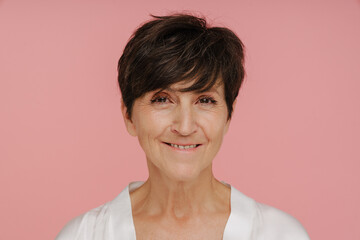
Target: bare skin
point(180, 133)
point(167, 209)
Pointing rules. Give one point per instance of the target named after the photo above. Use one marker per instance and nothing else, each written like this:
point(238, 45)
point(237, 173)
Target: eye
point(207, 100)
point(160, 99)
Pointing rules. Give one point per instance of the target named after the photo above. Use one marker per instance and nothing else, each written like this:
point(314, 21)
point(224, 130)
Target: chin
point(184, 174)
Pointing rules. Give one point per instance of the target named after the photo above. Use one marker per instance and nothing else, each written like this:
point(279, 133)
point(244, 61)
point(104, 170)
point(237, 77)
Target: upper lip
point(183, 144)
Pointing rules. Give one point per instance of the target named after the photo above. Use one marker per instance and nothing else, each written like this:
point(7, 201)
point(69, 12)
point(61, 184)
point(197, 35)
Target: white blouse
point(248, 220)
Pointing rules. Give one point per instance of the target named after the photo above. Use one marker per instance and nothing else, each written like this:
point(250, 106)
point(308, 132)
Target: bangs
point(180, 48)
point(201, 62)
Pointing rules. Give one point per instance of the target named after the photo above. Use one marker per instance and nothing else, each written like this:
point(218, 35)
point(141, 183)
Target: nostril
point(184, 122)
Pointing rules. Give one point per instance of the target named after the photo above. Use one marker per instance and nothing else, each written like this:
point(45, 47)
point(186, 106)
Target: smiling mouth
point(183, 147)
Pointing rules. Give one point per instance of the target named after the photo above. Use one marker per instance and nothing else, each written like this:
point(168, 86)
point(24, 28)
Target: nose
point(184, 121)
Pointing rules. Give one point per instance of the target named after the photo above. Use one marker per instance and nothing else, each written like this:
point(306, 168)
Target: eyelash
point(164, 99)
point(157, 99)
point(209, 99)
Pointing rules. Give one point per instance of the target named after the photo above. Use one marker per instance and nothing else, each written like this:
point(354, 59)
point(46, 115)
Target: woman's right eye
point(160, 99)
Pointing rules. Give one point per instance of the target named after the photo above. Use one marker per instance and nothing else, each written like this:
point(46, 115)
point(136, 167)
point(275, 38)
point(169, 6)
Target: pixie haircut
point(170, 49)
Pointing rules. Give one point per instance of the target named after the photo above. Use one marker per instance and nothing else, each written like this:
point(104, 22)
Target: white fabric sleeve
point(278, 225)
point(71, 230)
point(86, 226)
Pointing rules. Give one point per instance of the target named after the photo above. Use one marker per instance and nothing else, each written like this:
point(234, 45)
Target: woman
point(179, 81)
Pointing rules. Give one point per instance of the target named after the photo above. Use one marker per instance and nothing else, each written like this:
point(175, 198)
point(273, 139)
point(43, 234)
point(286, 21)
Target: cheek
point(150, 125)
point(214, 125)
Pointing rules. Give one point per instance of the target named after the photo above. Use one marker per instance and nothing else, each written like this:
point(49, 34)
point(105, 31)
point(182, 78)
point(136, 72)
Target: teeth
point(183, 147)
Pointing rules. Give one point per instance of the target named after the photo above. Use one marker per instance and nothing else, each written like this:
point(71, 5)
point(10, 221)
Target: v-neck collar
point(238, 226)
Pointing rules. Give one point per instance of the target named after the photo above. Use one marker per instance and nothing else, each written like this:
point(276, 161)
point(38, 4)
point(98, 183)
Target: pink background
point(294, 139)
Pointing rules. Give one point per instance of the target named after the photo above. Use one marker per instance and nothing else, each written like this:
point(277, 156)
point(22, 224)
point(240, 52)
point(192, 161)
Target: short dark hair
point(180, 47)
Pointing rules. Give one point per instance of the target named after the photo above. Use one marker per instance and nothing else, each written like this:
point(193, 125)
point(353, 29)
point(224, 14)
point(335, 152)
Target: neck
point(179, 199)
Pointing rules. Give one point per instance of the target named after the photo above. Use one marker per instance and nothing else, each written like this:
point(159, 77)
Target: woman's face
point(180, 132)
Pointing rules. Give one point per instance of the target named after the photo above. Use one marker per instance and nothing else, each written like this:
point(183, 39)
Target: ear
point(127, 120)
point(234, 104)
point(229, 120)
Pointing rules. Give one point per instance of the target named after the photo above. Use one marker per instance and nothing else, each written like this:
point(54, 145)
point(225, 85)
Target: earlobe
point(130, 127)
point(227, 126)
point(234, 104)
point(228, 121)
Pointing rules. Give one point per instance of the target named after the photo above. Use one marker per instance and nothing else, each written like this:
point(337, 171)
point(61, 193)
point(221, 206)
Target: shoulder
point(99, 222)
point(83, 225)
point(278, 225)
point(71, 229)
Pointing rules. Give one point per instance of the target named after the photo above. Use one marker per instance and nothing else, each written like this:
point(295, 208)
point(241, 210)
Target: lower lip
point(184, 150)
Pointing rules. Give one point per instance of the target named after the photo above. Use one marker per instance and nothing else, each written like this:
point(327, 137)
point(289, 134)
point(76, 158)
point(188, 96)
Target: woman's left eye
point(207, 100)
